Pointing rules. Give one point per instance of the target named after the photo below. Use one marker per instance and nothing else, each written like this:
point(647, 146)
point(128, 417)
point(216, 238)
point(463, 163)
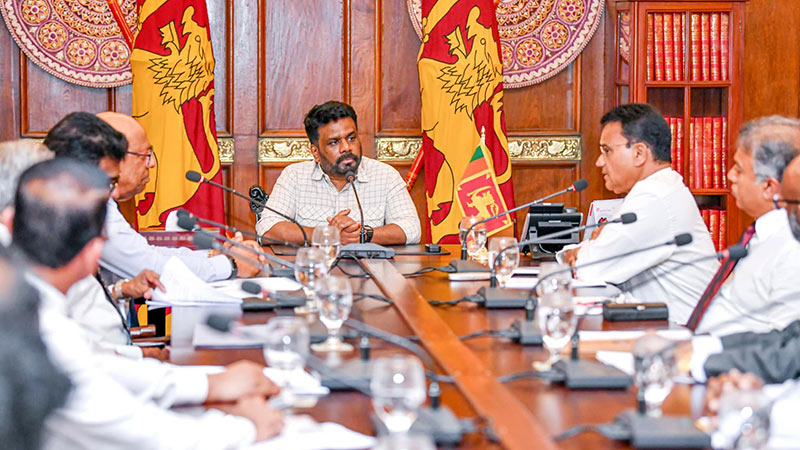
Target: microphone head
point(350, 176)
point(251, 287)
point(186, 221)
point(683, 239)
point(736, 252)
point(220, 322)
point(193, 176)
point(628, 218)
point(203, 241)
point(580, 185)
point(182, 213)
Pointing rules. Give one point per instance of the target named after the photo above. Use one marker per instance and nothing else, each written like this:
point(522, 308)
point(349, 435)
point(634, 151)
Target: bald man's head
point(135, 167)
point(790, 192)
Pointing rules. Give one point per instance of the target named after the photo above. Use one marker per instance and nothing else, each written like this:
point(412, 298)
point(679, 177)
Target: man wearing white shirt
point(635, 160)
point(128, 253)
point(762, 294)
point(117, 402)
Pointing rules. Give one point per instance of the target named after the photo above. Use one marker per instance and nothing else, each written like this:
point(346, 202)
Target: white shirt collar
point(5, 236)
point(769, 223)
point(50, 298)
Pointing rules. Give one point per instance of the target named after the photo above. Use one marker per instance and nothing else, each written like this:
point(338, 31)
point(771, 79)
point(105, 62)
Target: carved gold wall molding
point(285, 149)
point(397, 149)
point(540, 148)
point(226, 151)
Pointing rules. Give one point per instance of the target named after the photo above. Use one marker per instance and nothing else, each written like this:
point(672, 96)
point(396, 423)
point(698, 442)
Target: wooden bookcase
point(701, 93)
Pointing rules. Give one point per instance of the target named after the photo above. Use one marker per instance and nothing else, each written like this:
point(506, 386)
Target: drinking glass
point(311, 264)
point(744, 419)
point(509, 260)
point(398, 390)
point(327, 239)
point(477, 237)
point(655, 366)
point(335, 299)
point(555, 313)
point(286, 349)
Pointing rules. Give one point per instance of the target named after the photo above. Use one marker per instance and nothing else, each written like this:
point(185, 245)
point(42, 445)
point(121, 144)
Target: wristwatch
point(368, 232)
point(115, 290)
point(234, 268)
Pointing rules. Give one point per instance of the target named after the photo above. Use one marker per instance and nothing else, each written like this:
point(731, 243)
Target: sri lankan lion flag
point(173, 98)
point(461, 84)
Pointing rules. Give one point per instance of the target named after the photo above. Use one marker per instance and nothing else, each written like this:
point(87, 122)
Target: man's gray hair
point(773, 142)
point(15, 158)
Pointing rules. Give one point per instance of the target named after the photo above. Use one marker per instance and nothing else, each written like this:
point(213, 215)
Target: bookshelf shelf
point(684, 58)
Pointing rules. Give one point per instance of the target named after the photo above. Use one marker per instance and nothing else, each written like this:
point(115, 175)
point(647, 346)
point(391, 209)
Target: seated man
point(117, 402)
point(635, 160)
point(775, 356)
point(767, 275)
point(318, 193)
point(119, 145)
point(30, 385)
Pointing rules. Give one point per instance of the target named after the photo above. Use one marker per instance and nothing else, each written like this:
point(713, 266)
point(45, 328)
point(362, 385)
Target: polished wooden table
point(523, 414)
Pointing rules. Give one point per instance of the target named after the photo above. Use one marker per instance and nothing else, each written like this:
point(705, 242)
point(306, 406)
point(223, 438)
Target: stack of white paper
point(303, 433)
point(184, 288)
point(270, 284)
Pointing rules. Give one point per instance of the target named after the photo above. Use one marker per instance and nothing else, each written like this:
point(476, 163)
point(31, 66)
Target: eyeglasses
point(148, 155)
point(113, 184)
point(782, 203)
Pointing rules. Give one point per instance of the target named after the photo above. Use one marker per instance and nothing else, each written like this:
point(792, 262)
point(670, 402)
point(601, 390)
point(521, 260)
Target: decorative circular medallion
point(538, 38)
point(554, 35)
point(529, 52)
point(52, 35)
point(570, 11)
point(75, 40)
point(35, 11)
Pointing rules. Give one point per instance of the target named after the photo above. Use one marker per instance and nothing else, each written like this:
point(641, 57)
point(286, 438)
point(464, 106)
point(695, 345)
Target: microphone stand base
point(585, 374)
point(529, 333)
point(368, 250)
point(663, 432)
point(440, 424)
point(347, 376)
point(497, 298)
point(468, 265)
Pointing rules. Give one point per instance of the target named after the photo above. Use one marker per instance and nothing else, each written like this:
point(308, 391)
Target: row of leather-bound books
point(708, 47)
point(716, 220)
point(707, 154)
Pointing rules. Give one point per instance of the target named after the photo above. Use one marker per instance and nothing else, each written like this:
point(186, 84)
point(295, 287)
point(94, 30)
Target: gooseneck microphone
point(624, 219)
point(350, 176)
point(194, 219)
point(196, 177)
point(577, 186)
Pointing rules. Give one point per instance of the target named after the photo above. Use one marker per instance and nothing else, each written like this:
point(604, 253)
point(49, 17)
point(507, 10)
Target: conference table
point(524, 413)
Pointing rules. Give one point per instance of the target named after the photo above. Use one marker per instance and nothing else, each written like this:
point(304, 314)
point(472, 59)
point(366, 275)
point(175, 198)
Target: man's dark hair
point(31, 387)
point(642, 123)
point(86, 137)
point(323, 114)
point(60, 207)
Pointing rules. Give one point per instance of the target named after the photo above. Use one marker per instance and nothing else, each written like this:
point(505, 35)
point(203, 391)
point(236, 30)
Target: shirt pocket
point(313, 215)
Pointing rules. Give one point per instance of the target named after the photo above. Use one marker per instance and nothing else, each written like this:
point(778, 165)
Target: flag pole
point(116, 11)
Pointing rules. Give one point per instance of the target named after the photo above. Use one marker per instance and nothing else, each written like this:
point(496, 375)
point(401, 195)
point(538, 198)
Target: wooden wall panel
point(547, 107)
point(303, 60)
point(219, 21)
point(400, 102)
point(45, 99)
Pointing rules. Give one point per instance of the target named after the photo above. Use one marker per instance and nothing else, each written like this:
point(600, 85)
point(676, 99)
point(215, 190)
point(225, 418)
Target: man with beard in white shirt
point(635, 160)
point(60, 209)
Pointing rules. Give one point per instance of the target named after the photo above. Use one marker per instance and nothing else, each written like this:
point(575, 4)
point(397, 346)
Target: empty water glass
point(508, 262)
point(286, 348)
point(311, 264)
point(335, 299)
point(655, 366)
point(398, 390)
point(327, 239)
point(476, 240)
point(555, 312)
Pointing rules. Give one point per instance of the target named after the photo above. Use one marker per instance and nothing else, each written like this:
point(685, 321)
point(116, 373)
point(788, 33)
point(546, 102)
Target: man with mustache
point(317, 192)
